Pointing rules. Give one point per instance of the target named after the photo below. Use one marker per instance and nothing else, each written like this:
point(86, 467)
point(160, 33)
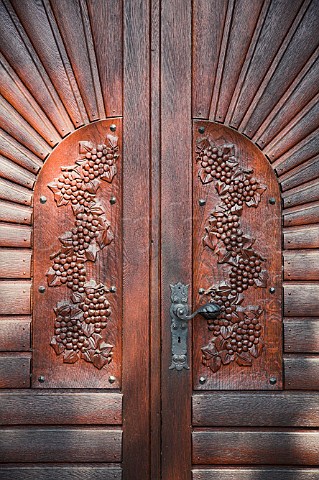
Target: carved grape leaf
point(226, 331)
point(58, 196)
point(105, 236)
point(66, 239)
point(244, 359)
point(214, 363)
point(58, 347)
point(261, 281)
point(91, 251)
point(255, 199)
point(53, 279)
point(85, 146)
point(92, 186)
point(204, 176)
point(256, 350)
point(109, 174)
point(226, 358)
point(70, 356)
point(88, 329)
point(112, 140)
point(222, 188)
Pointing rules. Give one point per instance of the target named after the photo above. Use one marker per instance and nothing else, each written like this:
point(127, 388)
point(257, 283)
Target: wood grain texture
point(301, 335)
point(14, 193)
point(15, 263)
point(15, 370)
point(136, 239)
point(260, 409)
point(301, 237)
point(29, 445)
point(13, 213)
point(301, 265)
point(60, 408)
point(16, 174)
point(20, 155)
point(308, 170)
point(301, 215)
point(301, 299)
point(66, 472)
point(299, 153)
point(301, 372)
point(305, 193)
point(15, 297)
point(230, 446)
point(15, 334)
point(256, 473)
point(15, 236)
point(176, 225)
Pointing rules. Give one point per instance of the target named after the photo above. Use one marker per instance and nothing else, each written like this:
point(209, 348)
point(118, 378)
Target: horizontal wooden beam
point(301, 335)
point(15, 297)
point(66, 472)
point(302, 237)
point(301, 299)
point(301, 372)
point(301, 265)
point(15, 263)
point(15, 370)
point(15, 333)
point(15, 236)
point(240, 473)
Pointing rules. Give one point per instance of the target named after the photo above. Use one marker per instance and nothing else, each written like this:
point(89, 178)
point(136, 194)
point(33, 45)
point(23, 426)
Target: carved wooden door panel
point(158, 156)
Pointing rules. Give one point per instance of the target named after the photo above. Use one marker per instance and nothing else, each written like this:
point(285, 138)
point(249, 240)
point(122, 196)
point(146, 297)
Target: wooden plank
point(239, 447)
point(136, 240)
point(301, 265)
point(301, 215)
point(60, 408)
point(301, 237)
point(108, 49)
point(303, 151)
point(20, 155)
point(66, 472)
point(308, 170)
point(256, 473)
point(15, 263)
point(14, 193)
point(15, 236)
point(301, 372)
point(29, 445)
point(301, 335)
point(260, 409)
point(306, 193)
point(176, 213)
point(15, 297)
point(10, 212)
point(301, 299)
point(16, 174)
point(15, 370)
point(15, 334)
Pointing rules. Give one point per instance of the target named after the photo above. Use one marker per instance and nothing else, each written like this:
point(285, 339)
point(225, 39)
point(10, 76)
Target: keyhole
point(179, 339)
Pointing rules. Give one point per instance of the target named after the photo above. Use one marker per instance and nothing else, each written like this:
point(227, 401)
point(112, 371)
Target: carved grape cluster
point(79, 323)
point(237, 330)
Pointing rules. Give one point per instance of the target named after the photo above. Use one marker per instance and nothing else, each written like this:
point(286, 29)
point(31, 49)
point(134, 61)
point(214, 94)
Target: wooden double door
point(159, 158)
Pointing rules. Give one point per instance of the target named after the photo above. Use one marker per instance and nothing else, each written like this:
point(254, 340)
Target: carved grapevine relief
point(237, 330)
point(79, 323)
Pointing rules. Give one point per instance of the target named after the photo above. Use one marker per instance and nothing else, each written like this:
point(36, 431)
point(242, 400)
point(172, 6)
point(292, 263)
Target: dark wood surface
point(263, 447)
point(258, 473)
point(66, 472)
point(301, 299)
point(301, 335)
point(301, 372)
point(301, 265)
point(301, 237)
point(15, 333)
point(279, 409)
point(15, 370)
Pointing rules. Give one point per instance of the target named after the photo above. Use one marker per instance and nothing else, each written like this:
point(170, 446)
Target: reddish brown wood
point(306, 193)
point(301, 215)
point(301, 299)
point(301, 265)
point(301, 372)
point(14, 193)
point(16, 174)
point(301, 335)
point(60, 445)
point(20, 155)
point(255, 223)
point(15, 297)
point(15, 236)
point(67, 472)
point(301, 237)
point(15, 333)
point(15, 213)
point(260, 473)
point(234, 409)
point(229, 446)
point(15, 263)
point(299, 153)
point(104, 267)
point(15, 370)
point(60, 408)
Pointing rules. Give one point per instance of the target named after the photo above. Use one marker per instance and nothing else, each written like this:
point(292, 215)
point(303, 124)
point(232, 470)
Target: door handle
point(179, 323)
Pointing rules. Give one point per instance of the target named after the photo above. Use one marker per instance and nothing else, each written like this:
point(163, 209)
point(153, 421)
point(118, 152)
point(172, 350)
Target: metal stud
point(113, 289)
point(272, 201)
point(273, 380)
point(113, 127)
point(41, 289)
point(112, 379)
point(41, 379)
point(201, 291)
point(201, 129)
point(112, 200)
point(43, 199)
point(202, 380)
point(202, 202)
point(272, 289)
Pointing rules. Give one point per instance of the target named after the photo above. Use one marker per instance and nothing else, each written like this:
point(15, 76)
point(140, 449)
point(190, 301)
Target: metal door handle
point(179, 323)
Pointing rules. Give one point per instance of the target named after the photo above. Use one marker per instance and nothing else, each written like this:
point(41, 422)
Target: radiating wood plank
point(255, 473)
point(306, 171)
point(14, 213)
point(301, 265)
point(301, 299)
point(14, 371)
point(297, 155)
point(108, 49)
point(301, 335)
point(229, 446)
point(15, 334)
point(60, 408)
point(301, 215)
point(15, 193)
point(75, 29)
point(30, 445)
point(15, 263)
point(260, 409)
point(207, 42)
point(40, 25)
point(306, 193)
point(15, 297)
point(20, 155)
point(15, 236)
point(15, 173)
point(301, 372)
point(306, 236)
point(19, 52)
point(66, 472)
